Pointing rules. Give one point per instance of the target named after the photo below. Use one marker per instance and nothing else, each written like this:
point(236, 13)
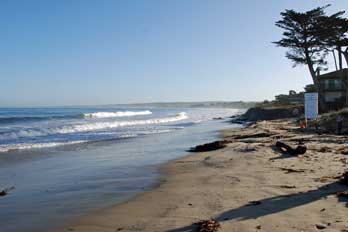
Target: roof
point(334, 75)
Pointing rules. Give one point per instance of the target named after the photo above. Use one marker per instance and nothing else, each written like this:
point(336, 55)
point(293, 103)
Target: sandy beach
point(249, 185)
point(174, 116)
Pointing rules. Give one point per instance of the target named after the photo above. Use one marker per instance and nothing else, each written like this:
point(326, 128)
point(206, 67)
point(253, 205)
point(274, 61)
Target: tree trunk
point(346, 94)
point(345, 53)
point(312, 72)
point(334, 56)
point(322, 105)
point(341, 73)
point(340, 57)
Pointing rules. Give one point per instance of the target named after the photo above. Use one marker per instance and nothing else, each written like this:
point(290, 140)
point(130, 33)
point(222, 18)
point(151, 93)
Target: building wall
point(332, 96)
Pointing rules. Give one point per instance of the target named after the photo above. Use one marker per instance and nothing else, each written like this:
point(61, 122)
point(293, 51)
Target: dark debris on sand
point(208, 225)
point(344, 179)
point(251, 203)
point(291, 170)
point(299, 150)
point(342, 194)
point(210, 146)
point(4, 192)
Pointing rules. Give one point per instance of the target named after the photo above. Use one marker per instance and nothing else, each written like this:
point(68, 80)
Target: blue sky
point(104, 52)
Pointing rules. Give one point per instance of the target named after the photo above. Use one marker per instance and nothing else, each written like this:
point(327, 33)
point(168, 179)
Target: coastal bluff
point(272, 112)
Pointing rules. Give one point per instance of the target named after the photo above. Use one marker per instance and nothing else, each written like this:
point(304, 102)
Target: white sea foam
point(110, 125)
point(88, 127)
point(25, 146)
point(116, 114)
point(139, 133)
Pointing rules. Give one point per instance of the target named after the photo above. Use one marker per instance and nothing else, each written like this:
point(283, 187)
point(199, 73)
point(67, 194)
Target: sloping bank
point(325, 123)
point(272, 112)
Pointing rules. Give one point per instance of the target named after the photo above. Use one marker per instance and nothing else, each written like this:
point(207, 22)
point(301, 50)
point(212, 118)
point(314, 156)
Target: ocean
point(62, 163)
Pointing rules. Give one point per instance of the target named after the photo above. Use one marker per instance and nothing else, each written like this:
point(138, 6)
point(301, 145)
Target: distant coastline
point(199, 104)
point(193, 104)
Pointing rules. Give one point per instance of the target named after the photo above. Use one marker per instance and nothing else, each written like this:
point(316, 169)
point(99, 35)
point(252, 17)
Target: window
point(332, 84)
point(337, 84)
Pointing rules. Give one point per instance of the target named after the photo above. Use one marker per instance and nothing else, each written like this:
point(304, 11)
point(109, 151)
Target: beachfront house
point(292, 98)
point(333, 87)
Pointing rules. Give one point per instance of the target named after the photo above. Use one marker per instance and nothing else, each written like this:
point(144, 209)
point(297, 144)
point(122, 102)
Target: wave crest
point(88, 127)
point(116, 114)
point(111, 125)
point(26, 146)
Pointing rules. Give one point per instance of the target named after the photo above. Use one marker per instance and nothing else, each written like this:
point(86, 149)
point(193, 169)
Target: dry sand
point(289, 193)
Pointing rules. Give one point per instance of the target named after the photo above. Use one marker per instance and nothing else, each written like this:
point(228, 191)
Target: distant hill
point(208, 104)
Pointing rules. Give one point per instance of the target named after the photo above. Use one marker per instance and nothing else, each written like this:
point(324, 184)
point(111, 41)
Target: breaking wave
point(88, 127)
point(116, 114)
point(6, 120)
point(25, 146)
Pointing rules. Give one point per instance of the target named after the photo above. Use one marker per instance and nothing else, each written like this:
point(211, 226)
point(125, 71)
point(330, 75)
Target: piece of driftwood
point(342, 194)
point(299, 150)
point(345, 178)
point(210, 146)
point(320, 226)
point(324, 179)
point(252, 203)
point(290, 170)
point(208, 225)
point(324, 149)
point(288, 186)
point(255, 135)
point(4, 192)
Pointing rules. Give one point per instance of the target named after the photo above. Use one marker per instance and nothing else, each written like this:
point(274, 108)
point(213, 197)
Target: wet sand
point(247, 186)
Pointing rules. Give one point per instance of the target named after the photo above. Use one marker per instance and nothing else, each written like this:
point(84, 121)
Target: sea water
point(67, 162)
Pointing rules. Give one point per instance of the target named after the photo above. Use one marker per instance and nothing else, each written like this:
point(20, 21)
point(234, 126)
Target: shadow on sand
point(274, 205)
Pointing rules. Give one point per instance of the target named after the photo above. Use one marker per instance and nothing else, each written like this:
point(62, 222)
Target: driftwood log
point(299, 150)
point(255, 135)
point(4, 192)
point(345, 178)
point(208, 226)
point(210, 146)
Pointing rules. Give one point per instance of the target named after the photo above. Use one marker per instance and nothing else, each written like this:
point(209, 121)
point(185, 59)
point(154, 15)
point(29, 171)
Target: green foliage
point(310, 88)
point(300, 36)
point(332, 30)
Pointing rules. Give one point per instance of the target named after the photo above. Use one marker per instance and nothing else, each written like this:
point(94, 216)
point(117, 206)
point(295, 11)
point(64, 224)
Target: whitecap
point(116, 114)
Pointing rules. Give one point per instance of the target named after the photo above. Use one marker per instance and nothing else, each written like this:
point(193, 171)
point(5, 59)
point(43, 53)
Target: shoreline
point(64, 183)
point(247, 186)
point(164, 174)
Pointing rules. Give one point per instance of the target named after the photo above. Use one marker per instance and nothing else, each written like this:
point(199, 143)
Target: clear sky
point(102, 52)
